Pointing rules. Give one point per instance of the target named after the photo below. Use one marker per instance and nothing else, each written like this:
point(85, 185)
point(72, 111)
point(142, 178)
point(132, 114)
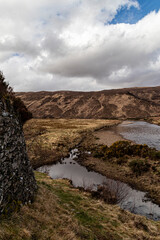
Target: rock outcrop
point(17, 182)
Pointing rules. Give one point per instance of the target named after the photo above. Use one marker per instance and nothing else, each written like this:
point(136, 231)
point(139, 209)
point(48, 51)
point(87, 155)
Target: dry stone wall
point(17, 182)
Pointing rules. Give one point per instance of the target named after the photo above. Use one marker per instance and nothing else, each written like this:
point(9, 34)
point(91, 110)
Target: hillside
point(118, 103)
point(61, 212)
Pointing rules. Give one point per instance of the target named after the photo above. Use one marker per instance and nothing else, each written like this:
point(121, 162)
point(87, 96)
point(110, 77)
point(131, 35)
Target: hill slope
point(61, 212)
point(118, 103)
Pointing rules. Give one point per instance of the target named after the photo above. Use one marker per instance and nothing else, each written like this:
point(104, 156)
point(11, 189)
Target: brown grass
point(61, 212)
point(49, 139)
point(155, 120)
point(148, 181)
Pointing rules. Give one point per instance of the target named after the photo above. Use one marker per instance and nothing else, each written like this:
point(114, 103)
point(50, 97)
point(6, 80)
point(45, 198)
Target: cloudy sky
point(79, 44)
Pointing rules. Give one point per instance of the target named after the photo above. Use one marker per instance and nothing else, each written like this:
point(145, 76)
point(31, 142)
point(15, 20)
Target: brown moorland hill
point(118, 103)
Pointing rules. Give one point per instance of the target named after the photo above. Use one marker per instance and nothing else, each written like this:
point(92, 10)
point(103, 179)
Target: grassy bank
point(140, 168)
point(61, 212)
point(49, 139)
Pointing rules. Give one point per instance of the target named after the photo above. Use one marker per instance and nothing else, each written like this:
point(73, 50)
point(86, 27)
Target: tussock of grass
point(61, 212)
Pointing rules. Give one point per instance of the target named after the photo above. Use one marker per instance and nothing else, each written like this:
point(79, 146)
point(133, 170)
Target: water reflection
point(140, 132)
point(128, 198)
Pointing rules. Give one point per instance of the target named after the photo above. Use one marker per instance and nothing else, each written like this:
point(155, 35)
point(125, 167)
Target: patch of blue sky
point(17, 55)
point(58, 14)
point(133, 14)
point(61, 15)
point(44, 22)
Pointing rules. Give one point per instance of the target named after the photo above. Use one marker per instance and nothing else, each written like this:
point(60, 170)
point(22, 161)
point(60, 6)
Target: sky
point(80, 45)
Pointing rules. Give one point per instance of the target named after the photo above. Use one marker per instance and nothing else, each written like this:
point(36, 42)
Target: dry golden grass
point(155, 120)
point(61, 212)
point(49, 139)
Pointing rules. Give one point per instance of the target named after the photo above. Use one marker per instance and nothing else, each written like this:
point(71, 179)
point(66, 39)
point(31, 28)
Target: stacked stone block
point(17, 182)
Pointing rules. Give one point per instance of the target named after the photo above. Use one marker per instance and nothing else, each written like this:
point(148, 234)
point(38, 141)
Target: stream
point(128, 198)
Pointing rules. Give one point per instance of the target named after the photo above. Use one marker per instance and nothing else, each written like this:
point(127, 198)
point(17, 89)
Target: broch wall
point(17, 182)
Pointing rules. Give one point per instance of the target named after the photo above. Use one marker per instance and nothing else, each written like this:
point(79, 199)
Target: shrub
point(154, 168)
point(100, 152)
point(4, 87)
point(6, 92)
point(122, 160)
point(111, 192)
point(139, 166)
point(21, 110)
point(105, 194)
point(121, 149)
point(142, 150)
point(155, 155)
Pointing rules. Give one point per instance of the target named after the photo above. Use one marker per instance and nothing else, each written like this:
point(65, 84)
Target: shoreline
point(109, 136)
point(147, 182)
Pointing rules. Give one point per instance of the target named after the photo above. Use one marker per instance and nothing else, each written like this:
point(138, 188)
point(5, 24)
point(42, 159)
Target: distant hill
point(117, 103)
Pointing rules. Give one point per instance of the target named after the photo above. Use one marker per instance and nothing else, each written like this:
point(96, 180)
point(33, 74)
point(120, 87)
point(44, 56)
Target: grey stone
point(17, 181)
point(5, 114)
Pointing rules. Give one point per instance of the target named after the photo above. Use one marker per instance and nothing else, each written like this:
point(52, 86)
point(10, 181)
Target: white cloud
point(53, 45)
point(120, 74)
point(155, 65)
